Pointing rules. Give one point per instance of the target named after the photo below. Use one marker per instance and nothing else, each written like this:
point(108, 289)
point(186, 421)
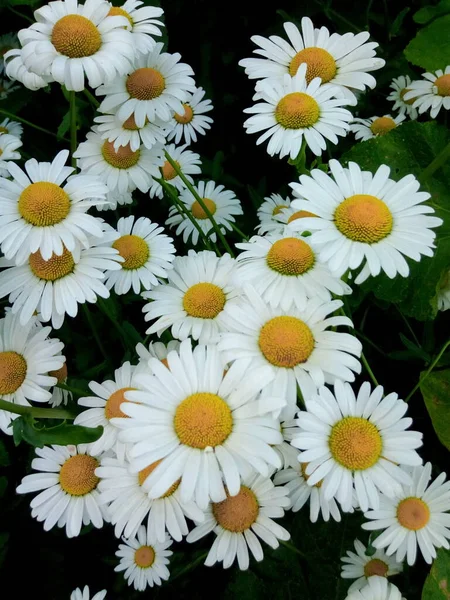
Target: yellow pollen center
point(286, 341)
point(383, 125)
point(114, 402)
point(145, 84)
point(320, 64)
point(142, 476)
point(186, 117)
point(144, 557)
point(443, 85)
point(237, 513)
point(77, 476)
point(3, 130)
point(306, 476)
point(278, 209)
point(76, 36)
point(43, 204)
point(168, 172)
point(290, 256)
point(355, 443)
point(204, 300)
point(376, 567)
point(197, 209)
point(301, 214)
point(363, 218)
point(402, 94)
point(117, 11)
point(203, 420)
point(134, 250)
point(413, 513)
point(54, 268)
point(13, 370)
point(130, 124)
point(60, 374)
point(297, 110)
point(122, 158)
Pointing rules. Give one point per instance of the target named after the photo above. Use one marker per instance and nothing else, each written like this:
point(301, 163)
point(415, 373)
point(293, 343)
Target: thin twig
point(30, 124)
point(428, 371)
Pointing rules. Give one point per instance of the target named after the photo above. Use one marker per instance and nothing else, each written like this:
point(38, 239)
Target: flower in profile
point(376, 588)
point(74, 41)
point(366, 219)
point(68, 489)
point(128, 134)
point(239, 520)
point(189, 164)
point(192, 120)
point(294, 111)
point(365, 129)
point(142, 22)
point(343, 60)
point(400, 87)
point(443, 294)
point(144, 560)
point(11, 127)
point(156, 350)
point(8, 41)
point(271, 207)
point(8, 152)
point(431, 93)
point(60, 396)
point(84, 594)
point(17, 71)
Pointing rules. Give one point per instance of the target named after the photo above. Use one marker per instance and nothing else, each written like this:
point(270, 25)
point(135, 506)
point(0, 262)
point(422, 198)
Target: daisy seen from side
point(376, 588)
point(8, 41)
point(9, 145)
point(84, 594)
point(128, 134)
point(142, 23)
point(431, 93)
point(188, 162)
point(17, 71)
point(59, 396)
point(11, 127)
point(272, 206)
point(399, 87)
point(156, 350)
point(185, 126)
point(365, 129)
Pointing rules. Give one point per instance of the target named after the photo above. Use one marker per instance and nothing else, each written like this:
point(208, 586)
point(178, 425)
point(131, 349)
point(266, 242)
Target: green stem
point(239, 232)
point(21, 15)
point(369, 341)
point(30, 124)
point(123, 337)
point(72, 390)
point(428, 371)
point(94, 331)
point(190, 566)
point(206, 210)
point(92, 99)
point(300, 161)
point(368, 369)
point(73, 127)
point(292, 548)
point(435, 164)
point(39, 413)
point(337, 15)
point(410, 329)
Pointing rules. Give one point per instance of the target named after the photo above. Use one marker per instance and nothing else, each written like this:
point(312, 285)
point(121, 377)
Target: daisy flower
point(11, 127)
point(27, 355)
point(221, 203)
point(59, 396)
point(285, 270)
point(343, 60)
point(288, 428)
point(294, 110)
point(238, 520)
point(84, 594)
point(192, 302)
point(366, 219)
point(400, 88)
point(295, 344)
point(191, 120)
point(104, 406)
point(361, 567)
point(144, 560)
point(431, 92)
point(189, 163)
point(6, 88)
point(16, 70)
point(147, 255)
point(155, 86)
point(76, 41)
point(55, 287)
point(68, 489)
point(417, 515)
point(128, 134)
point(365, 129)
point(376, 588)
point(208, 425)
point(156, 350)
point(356, 443)
point(142, 23)
point(123, 170)
point(40, 214)
point(443, 294)
point(288, 215)
point(269, 209)
point(8, 41)
point(8, 147)
point(128, 503)
point(115, 199)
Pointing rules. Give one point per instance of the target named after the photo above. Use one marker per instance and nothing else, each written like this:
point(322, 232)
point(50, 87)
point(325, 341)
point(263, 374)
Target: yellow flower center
point(355, 443)
point(306, 476)
point(320, 64)
point(13, 370)
point(278, 209)
point(142, 476)
point(286, 341)
point(197, 209)
point(297, 110)
point(402, 94)
point(237, 513)
point(363, 218)
point(60, 374)
point(3, 130)
point(382, 125)
point(122, 158)
point(114, 402)
point(186, 117)
point(413, 513)
point(144, 557)
point(204, 300)
point(145, 84)
point(54, 268)
point(376, 567)
point(130, 124)
point(76, 36)
point(118, 11)
point(168, 172)
point(203, 420)
point(290, 256)
point(134, 250)
point(43, 204)
point(301, 214)
point(443, 85)
point(77, 476)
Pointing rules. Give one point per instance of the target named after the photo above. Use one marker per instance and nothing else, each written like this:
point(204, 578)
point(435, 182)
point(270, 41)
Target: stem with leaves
point(435, 164)
point(38, 413)
point(428, 371)
point(30, 124)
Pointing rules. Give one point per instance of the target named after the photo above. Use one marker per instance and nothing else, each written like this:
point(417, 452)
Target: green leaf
point(426, 13)
point(64, 126)
point(437, 584)
point(62, 434)
point(398, 21)
point(4, 458)
point(430, 48)
point(436, 393)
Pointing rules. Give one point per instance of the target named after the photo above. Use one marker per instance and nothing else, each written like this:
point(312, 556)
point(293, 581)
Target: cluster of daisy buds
point(249, 410)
